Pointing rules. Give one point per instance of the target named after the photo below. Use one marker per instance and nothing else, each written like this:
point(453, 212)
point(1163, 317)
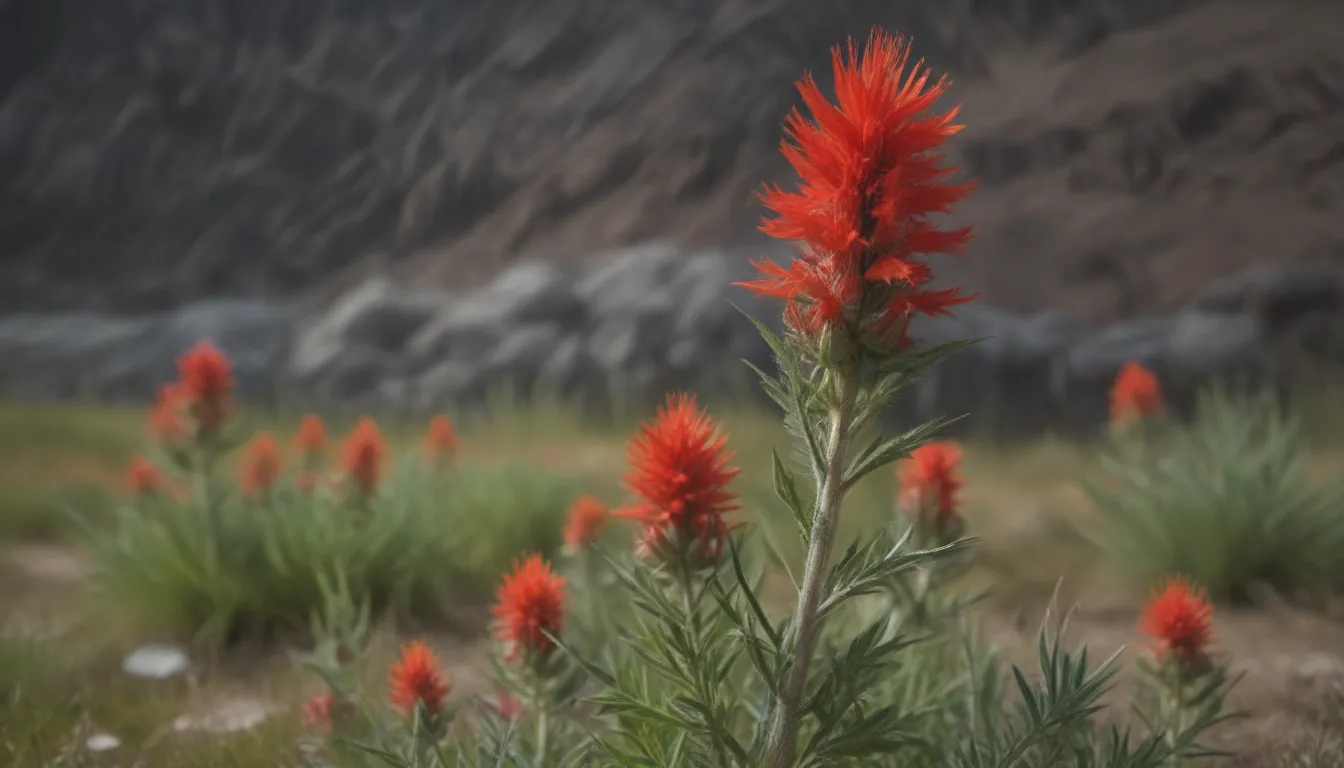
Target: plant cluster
point(192, 548)
point(1227, 499)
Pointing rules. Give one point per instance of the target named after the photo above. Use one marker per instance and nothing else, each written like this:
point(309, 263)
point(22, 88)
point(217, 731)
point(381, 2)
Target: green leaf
point(787, 490)
point(877, 455)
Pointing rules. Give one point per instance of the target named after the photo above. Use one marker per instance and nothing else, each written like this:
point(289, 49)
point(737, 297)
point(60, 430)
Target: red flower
point(317, 712)
point(441, 443)
point(205, 380)
point(530, 603)
point(416, 677)
point(362, 457)
point(1180, 619)
point(679, 470)
point(261, 465)
point(931, 477)
point(165, 418)
point(872, 173)
point(1136, 394)
point(143, 479)
point(587, 518)
point(311, 440)
point(508, 706)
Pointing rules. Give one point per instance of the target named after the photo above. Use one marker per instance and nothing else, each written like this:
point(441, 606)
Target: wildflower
point(872, 173)
point(586, 518)
point(930, 480)
point(1135, 395)
point(261, 465)
point(362, 457)
point(317, 712)
point(441, 444)
point(417, 678)
point(166, 425)
point(507, 706)
point(529, 604)
point(679, 470)
point(310, 443)
point(143, 479)
point(1180, 619)
point(205, 380)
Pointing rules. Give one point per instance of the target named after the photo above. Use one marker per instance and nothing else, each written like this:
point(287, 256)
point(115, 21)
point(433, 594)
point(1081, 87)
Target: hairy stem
point(782, 739)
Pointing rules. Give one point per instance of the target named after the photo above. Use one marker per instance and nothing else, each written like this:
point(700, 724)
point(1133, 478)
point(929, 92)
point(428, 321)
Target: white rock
point(102, 742)
point(156, 661)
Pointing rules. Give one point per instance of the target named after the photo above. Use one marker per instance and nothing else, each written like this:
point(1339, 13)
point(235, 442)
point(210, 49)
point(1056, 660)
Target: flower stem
point(543, 731)
point(782, 739)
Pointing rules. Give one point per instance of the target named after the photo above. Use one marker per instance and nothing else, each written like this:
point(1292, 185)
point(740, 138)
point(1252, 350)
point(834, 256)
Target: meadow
point(1249, 504)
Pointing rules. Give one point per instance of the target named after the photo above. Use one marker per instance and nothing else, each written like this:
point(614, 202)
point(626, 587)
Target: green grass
point(54, 694)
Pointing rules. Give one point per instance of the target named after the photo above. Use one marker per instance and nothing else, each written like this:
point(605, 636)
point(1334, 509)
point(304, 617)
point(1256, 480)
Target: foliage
point(1227, 500)
point(203, 558)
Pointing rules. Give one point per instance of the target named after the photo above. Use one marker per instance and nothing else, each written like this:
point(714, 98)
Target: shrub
point(1227, 500)
point(193, 550)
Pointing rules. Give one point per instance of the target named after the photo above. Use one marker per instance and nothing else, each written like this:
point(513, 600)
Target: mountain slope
point(154, 151)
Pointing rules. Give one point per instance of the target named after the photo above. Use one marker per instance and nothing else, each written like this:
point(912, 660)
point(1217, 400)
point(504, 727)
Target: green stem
point(686, 579)
point(782, 739)
point(543, 732)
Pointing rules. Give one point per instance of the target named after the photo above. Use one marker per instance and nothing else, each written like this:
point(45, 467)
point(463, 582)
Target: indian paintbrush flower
point(167, 424)
point(872, 173)
point(529, 604)
point(261, 465)
point(1136, 395)
point(585, 520)
point(310, 444)
point(363, 455)
point(1180, 621)
point(143, 479)
point(873, 176)
point(441, 444)
point(205, 382)
point(680, 472)
point(930, 480)
point(417, 677)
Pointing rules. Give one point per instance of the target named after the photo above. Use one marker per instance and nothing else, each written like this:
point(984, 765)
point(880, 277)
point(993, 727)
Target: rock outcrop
point(154, 152)
point(651, 319)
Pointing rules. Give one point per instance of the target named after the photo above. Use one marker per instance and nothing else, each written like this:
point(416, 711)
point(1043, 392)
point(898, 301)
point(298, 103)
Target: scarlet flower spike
point(1179, 618)
point(417, 677)
point(932, 476)
point(530, 604)
point(1136, 394)
point(205, 381)
point(587, 517)
point(872, 173)
point(362, 456)
point(143, 479)
point(261, 465)
point(441, 443)
point(680, 472)
point(166, 424)
point(311, 440)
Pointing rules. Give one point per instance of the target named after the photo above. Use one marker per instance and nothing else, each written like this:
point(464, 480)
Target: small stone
point(232, 716)
point(158, 662)
point(102, 742)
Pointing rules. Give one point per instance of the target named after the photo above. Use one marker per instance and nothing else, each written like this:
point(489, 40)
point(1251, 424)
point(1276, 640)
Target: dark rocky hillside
point(158, 151)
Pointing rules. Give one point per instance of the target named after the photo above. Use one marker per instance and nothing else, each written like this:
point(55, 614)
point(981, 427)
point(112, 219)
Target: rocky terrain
point(156, 152)
point(647, 319)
